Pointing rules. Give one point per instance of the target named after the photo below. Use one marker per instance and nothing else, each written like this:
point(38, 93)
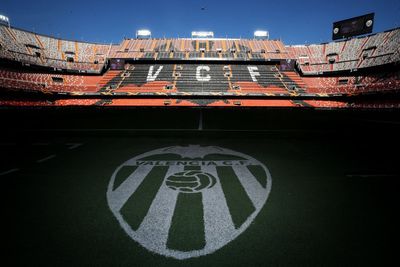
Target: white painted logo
point(152, 77)
point(201, 78)
point(217, 178)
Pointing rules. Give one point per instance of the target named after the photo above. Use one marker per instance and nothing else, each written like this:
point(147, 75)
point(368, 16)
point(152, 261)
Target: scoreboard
point(117, 63)
point(353, 27)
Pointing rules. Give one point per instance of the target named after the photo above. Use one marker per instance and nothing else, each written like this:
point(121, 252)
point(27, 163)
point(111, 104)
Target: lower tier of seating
point(351, 85)
point(237, 103)
point(199, 79)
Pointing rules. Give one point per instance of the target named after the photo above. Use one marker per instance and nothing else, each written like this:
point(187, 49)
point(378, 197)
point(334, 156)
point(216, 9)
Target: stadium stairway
point(267, 80)
point(293, 79)
point(107, 78)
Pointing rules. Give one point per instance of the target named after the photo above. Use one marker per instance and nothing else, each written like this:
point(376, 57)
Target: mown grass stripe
point(187, 228)
point(123, 173)
point(239, 203)
point(137, 206)
point(259, 173)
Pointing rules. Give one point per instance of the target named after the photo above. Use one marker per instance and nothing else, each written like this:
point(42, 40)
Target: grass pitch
point(333, 200)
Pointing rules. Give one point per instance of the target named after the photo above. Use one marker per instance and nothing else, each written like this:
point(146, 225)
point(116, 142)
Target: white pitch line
point(9, 171)
point(180, 129)
point(73, 145)
point(372, 175)
point(384, 122)
point(253, 188)
point(45, 159)
point(120, 195)
point(200, 121)
point(218, 224)
point(154, 228)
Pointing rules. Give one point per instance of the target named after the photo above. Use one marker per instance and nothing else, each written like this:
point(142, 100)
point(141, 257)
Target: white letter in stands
point(200, 78)
point(253, 72)
point(150, 76)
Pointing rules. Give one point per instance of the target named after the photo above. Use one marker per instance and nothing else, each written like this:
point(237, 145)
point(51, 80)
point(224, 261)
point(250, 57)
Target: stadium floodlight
point(202, 34)
point(4, 20)
point(143, 34)
point(263, 35)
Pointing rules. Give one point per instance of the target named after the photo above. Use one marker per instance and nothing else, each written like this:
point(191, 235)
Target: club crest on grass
point(188, 201)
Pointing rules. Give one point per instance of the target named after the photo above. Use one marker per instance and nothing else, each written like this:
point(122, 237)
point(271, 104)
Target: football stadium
point(202, 149)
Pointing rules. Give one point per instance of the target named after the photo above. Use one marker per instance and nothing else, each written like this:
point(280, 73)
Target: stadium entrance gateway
point(182, 201)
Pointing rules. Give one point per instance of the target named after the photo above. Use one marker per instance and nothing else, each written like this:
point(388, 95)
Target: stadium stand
point(32, 62)
point(353, 84)
point(34, 49)
point(353, 54)
point(202, 78)
point(47, 82)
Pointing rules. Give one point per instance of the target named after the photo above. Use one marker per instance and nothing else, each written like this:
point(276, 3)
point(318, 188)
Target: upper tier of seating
point(35, 49)
point(348, 55)
point(231, 49)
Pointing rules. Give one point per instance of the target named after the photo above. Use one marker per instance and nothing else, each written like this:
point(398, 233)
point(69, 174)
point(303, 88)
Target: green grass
point(123, 173)
point(315, 214)
point(239, 203)
point(259, 173)
point(137, 206)
point(187, 227)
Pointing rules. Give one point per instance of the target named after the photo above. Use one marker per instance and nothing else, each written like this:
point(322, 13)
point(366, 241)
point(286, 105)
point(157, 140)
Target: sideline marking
point(372, 175)
point(200, 121)
point(9, 171)
point(383, 122)
point(181, 129)
point(45, 159)
point(73, 145)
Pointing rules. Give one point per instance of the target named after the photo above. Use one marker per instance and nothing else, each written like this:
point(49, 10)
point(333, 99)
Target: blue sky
point(295, 22)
